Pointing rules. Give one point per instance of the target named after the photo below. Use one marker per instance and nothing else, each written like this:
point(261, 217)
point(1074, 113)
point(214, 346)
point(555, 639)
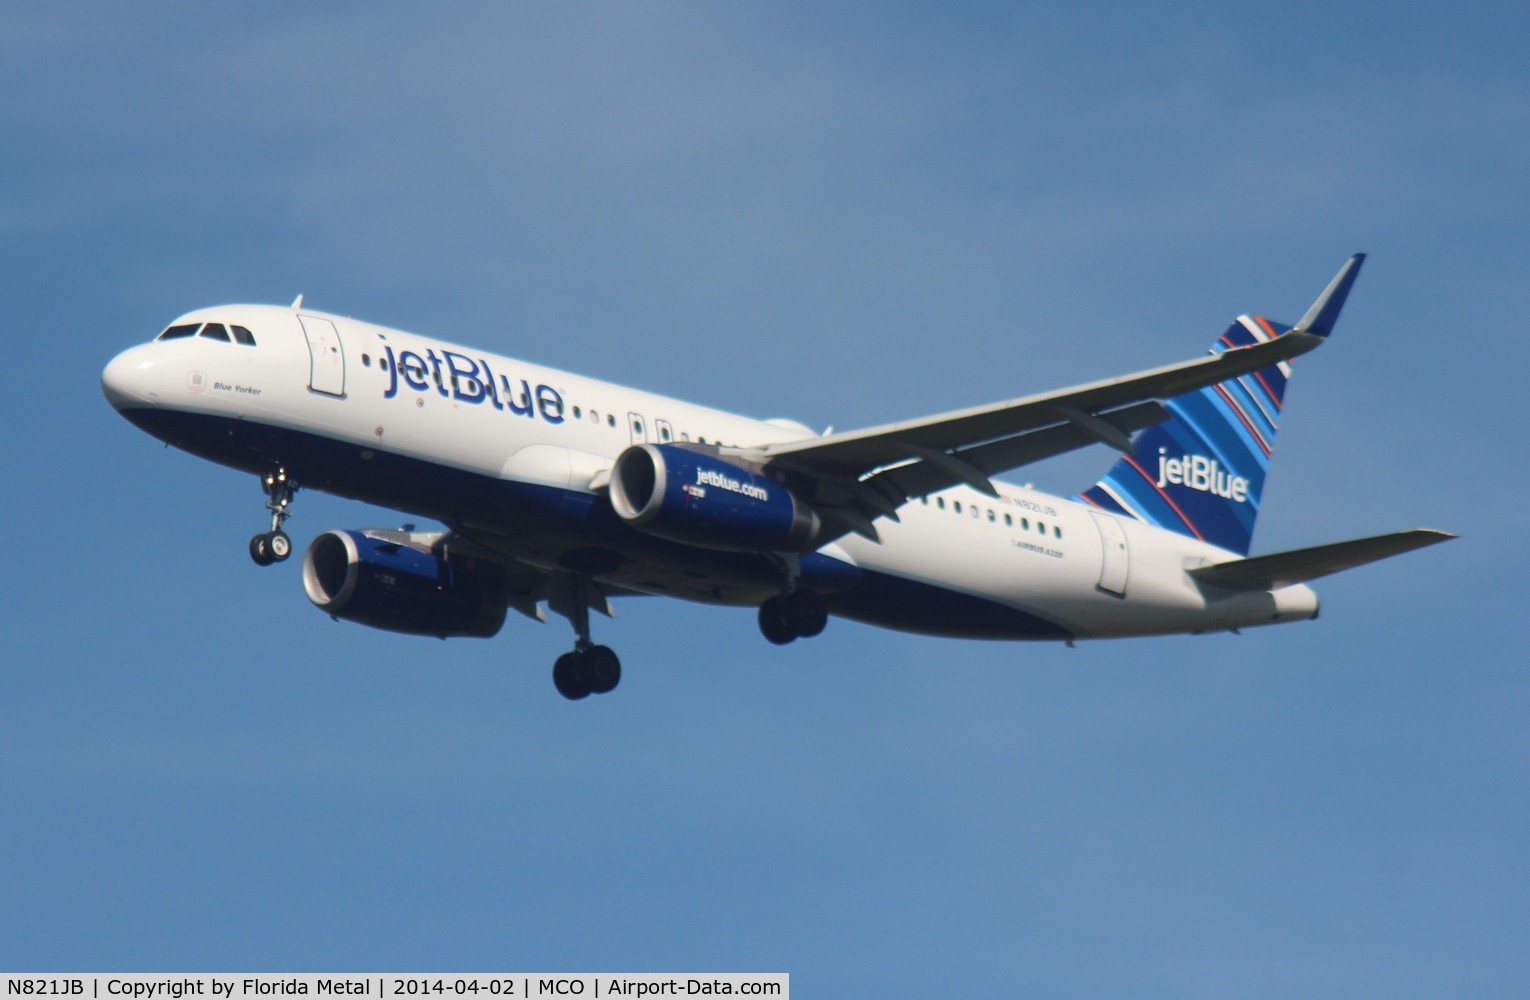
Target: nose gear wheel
point(274, 546)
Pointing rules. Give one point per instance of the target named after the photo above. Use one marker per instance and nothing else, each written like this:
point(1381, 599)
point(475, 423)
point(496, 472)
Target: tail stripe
point(1258, 406)
point(1238, 410)
point(1201, 472)
point(1103, 497)
point(1269, 393)
point(1106, 498)
point(1254, 392)
point(1256, 330)
point(1124, 504)
point(1216, 431)
point(1152, 482)
point(1261, 329)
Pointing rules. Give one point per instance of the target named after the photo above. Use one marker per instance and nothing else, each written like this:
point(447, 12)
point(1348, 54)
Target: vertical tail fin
point(1201, 473)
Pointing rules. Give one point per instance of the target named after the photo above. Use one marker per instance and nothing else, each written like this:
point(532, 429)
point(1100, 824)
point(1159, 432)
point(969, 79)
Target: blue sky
point(846, 214)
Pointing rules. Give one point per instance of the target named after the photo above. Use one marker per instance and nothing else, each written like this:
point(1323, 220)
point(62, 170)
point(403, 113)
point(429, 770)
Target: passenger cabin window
point(184, 330)
point(215, 331)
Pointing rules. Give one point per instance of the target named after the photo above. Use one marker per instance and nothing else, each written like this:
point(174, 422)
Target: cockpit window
point(212, 331)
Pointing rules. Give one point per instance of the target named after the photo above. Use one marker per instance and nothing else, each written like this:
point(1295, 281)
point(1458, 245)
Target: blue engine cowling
point(399, 587)
point(699, 499)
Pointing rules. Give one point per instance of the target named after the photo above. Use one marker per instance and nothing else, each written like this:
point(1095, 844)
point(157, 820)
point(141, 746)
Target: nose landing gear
point(274, 545)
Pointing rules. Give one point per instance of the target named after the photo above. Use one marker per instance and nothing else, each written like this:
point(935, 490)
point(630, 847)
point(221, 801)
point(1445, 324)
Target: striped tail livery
point(1201, 473)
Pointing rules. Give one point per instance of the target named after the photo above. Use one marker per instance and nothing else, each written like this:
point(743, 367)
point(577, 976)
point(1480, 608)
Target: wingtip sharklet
point(1324, 313)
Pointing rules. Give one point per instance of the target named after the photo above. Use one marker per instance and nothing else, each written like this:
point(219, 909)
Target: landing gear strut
point(274, 545)
point(589, 669)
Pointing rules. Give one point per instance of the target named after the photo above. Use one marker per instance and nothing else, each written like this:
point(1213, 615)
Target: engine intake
point(397, 587)
point(699, 499)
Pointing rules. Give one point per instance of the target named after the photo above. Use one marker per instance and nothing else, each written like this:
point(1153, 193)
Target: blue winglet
point(1324, 313)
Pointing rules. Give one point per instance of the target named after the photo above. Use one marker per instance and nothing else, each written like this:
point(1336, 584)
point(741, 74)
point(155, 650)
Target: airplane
point(564, 491)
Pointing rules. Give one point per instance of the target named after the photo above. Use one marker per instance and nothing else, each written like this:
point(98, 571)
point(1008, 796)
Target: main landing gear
point(800, 614)
point(274, 545)
point(797, 613)
point(589, 669)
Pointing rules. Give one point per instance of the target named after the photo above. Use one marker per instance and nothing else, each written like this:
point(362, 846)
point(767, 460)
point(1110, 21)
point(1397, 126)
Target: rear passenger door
point(1115, 560)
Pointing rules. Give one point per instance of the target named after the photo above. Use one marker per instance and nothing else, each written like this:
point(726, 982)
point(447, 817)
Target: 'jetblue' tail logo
point(1201, 472)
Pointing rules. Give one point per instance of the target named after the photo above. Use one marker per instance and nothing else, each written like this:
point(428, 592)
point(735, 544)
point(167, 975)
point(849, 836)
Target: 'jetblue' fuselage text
point(468, 380)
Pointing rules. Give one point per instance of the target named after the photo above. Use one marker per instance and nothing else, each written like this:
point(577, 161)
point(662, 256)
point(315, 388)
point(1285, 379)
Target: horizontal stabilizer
point(1282, 569)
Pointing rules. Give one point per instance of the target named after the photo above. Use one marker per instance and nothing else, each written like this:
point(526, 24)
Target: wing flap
point(1282, 569)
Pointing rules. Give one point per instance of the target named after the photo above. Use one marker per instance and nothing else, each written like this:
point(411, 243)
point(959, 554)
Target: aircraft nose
point(123, 380)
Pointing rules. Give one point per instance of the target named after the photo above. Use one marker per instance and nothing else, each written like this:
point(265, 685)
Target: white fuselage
point(521, 452)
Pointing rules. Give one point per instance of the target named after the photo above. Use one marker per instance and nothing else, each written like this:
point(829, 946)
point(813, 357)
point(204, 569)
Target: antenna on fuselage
point(297, 303)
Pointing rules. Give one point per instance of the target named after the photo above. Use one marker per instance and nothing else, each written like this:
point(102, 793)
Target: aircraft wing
point(860, 475)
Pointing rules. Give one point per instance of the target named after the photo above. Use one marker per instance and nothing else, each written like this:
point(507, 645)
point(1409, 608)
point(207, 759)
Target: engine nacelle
point(699, 499)
point(392, 585)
